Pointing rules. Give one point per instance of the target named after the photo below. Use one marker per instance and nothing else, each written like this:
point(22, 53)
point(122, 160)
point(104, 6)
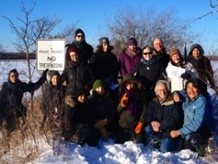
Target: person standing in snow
point(177, 62)
point(131, 111)
point(130, 57)
point(202, 65)
point(12, 111)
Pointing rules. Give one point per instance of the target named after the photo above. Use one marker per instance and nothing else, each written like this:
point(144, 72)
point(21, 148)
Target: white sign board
point(50, 54)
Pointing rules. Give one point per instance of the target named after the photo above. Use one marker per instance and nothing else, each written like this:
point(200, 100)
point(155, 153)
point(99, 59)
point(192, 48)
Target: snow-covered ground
point(105, 153)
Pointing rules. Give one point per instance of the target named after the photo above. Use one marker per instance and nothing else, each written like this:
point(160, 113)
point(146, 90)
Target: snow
point(105, 152)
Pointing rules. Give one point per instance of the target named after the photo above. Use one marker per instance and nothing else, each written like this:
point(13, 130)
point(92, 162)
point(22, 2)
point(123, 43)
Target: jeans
point(166, 144)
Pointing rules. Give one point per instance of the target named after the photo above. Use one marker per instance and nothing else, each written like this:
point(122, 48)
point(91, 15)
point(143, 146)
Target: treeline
point(16, 55)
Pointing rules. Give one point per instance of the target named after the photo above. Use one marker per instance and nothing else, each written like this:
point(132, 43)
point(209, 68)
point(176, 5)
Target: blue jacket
point(197, 113)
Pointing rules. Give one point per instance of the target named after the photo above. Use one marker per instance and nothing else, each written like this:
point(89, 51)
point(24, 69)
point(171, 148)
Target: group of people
point(151, 103)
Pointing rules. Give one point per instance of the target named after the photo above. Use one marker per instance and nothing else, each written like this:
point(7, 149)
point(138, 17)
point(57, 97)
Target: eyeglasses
point(79, 36)
point(147, 53)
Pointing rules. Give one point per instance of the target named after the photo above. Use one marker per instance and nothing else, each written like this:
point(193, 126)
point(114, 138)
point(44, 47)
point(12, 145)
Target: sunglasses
point(147, 53)
point(79, 36)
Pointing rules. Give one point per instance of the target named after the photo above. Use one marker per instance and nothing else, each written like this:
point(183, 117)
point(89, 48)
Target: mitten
point(139, 128)
point(124, 100)
point(100, 124)
point(44, 74)
point(104, 133)
point(69, 101)
point(186, 76)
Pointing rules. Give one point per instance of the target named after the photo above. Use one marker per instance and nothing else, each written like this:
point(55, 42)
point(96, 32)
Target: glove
point(69, 101)
point(108, 80)
point(139, 128)
point(186, 76)
point(124, 100)
point(44, 74)
point(100, 124)
point(104, 133)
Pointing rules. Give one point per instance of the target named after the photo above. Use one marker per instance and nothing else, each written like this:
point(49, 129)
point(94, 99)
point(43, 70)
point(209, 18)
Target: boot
point(104, 133)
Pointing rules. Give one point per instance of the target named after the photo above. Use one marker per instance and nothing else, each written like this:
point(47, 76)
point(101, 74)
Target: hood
point(198, 46)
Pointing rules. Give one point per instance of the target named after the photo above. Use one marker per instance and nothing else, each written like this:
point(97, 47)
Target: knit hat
point(53, 73)
point(79, 31)
point(80, 91)
point(132, 41)
point(72, 49)
point(97, 84)
point(104, 39)
point(174, 51)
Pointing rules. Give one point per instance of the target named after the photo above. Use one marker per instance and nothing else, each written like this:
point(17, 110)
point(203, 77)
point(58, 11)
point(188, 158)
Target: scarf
point(131, 106)
point(80, 44)
point(148, 62)
point(14, 88)
point(130, 53)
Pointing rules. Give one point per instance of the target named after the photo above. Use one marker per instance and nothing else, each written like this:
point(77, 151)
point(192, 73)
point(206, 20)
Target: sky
point(91, 16)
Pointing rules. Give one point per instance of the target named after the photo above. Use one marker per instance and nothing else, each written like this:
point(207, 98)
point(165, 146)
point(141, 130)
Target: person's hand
point(44, 73)
point(176, 97)
point(101, 123)
point(124, 100)
point(174, 133)
point(186, 76)
point(155, 126)
point(139, 128)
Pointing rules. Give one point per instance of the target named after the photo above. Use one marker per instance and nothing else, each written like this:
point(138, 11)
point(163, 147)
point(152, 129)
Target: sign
point(50, 54)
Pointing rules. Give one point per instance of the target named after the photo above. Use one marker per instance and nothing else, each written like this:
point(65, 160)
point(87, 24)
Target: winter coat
point(128, 122)
point(85, 49)
point(77, 75)
point(105, 64)
point(11, 97)
point(177, 83)
point(202, 65)
point(128, 63)
point(163, 57)
point(197, 113)
point(101, 107)
point(148, 75)
point(52, 105)
point(169, 114)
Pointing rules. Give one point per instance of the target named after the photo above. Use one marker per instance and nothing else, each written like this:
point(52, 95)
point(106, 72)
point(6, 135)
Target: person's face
point(147, 54)
point(196, 53)
point(74, 56)
point(176, 58)
point(158, 45)
point(79, 37)
point(13, 77)
point(162, 91)
point(132, 47)
point(100, 90)
point(191, 91)
point(55, 80)
point(129, 85)
point(82, 98)
point(105, 46)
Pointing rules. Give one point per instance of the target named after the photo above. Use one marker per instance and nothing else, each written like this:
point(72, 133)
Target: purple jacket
point(128, 63)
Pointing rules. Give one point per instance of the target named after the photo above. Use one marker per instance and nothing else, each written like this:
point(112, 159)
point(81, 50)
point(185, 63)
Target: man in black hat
point(85, 50)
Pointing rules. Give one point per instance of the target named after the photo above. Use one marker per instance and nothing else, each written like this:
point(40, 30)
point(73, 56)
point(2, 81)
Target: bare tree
point(31, 30)
point(145, 24)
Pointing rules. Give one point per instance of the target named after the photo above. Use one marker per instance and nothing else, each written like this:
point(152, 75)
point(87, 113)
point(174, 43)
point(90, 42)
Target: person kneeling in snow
point(198, 118)
point(131, 110)
point(162, 116)
point(77, 128)
point(102, 109)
